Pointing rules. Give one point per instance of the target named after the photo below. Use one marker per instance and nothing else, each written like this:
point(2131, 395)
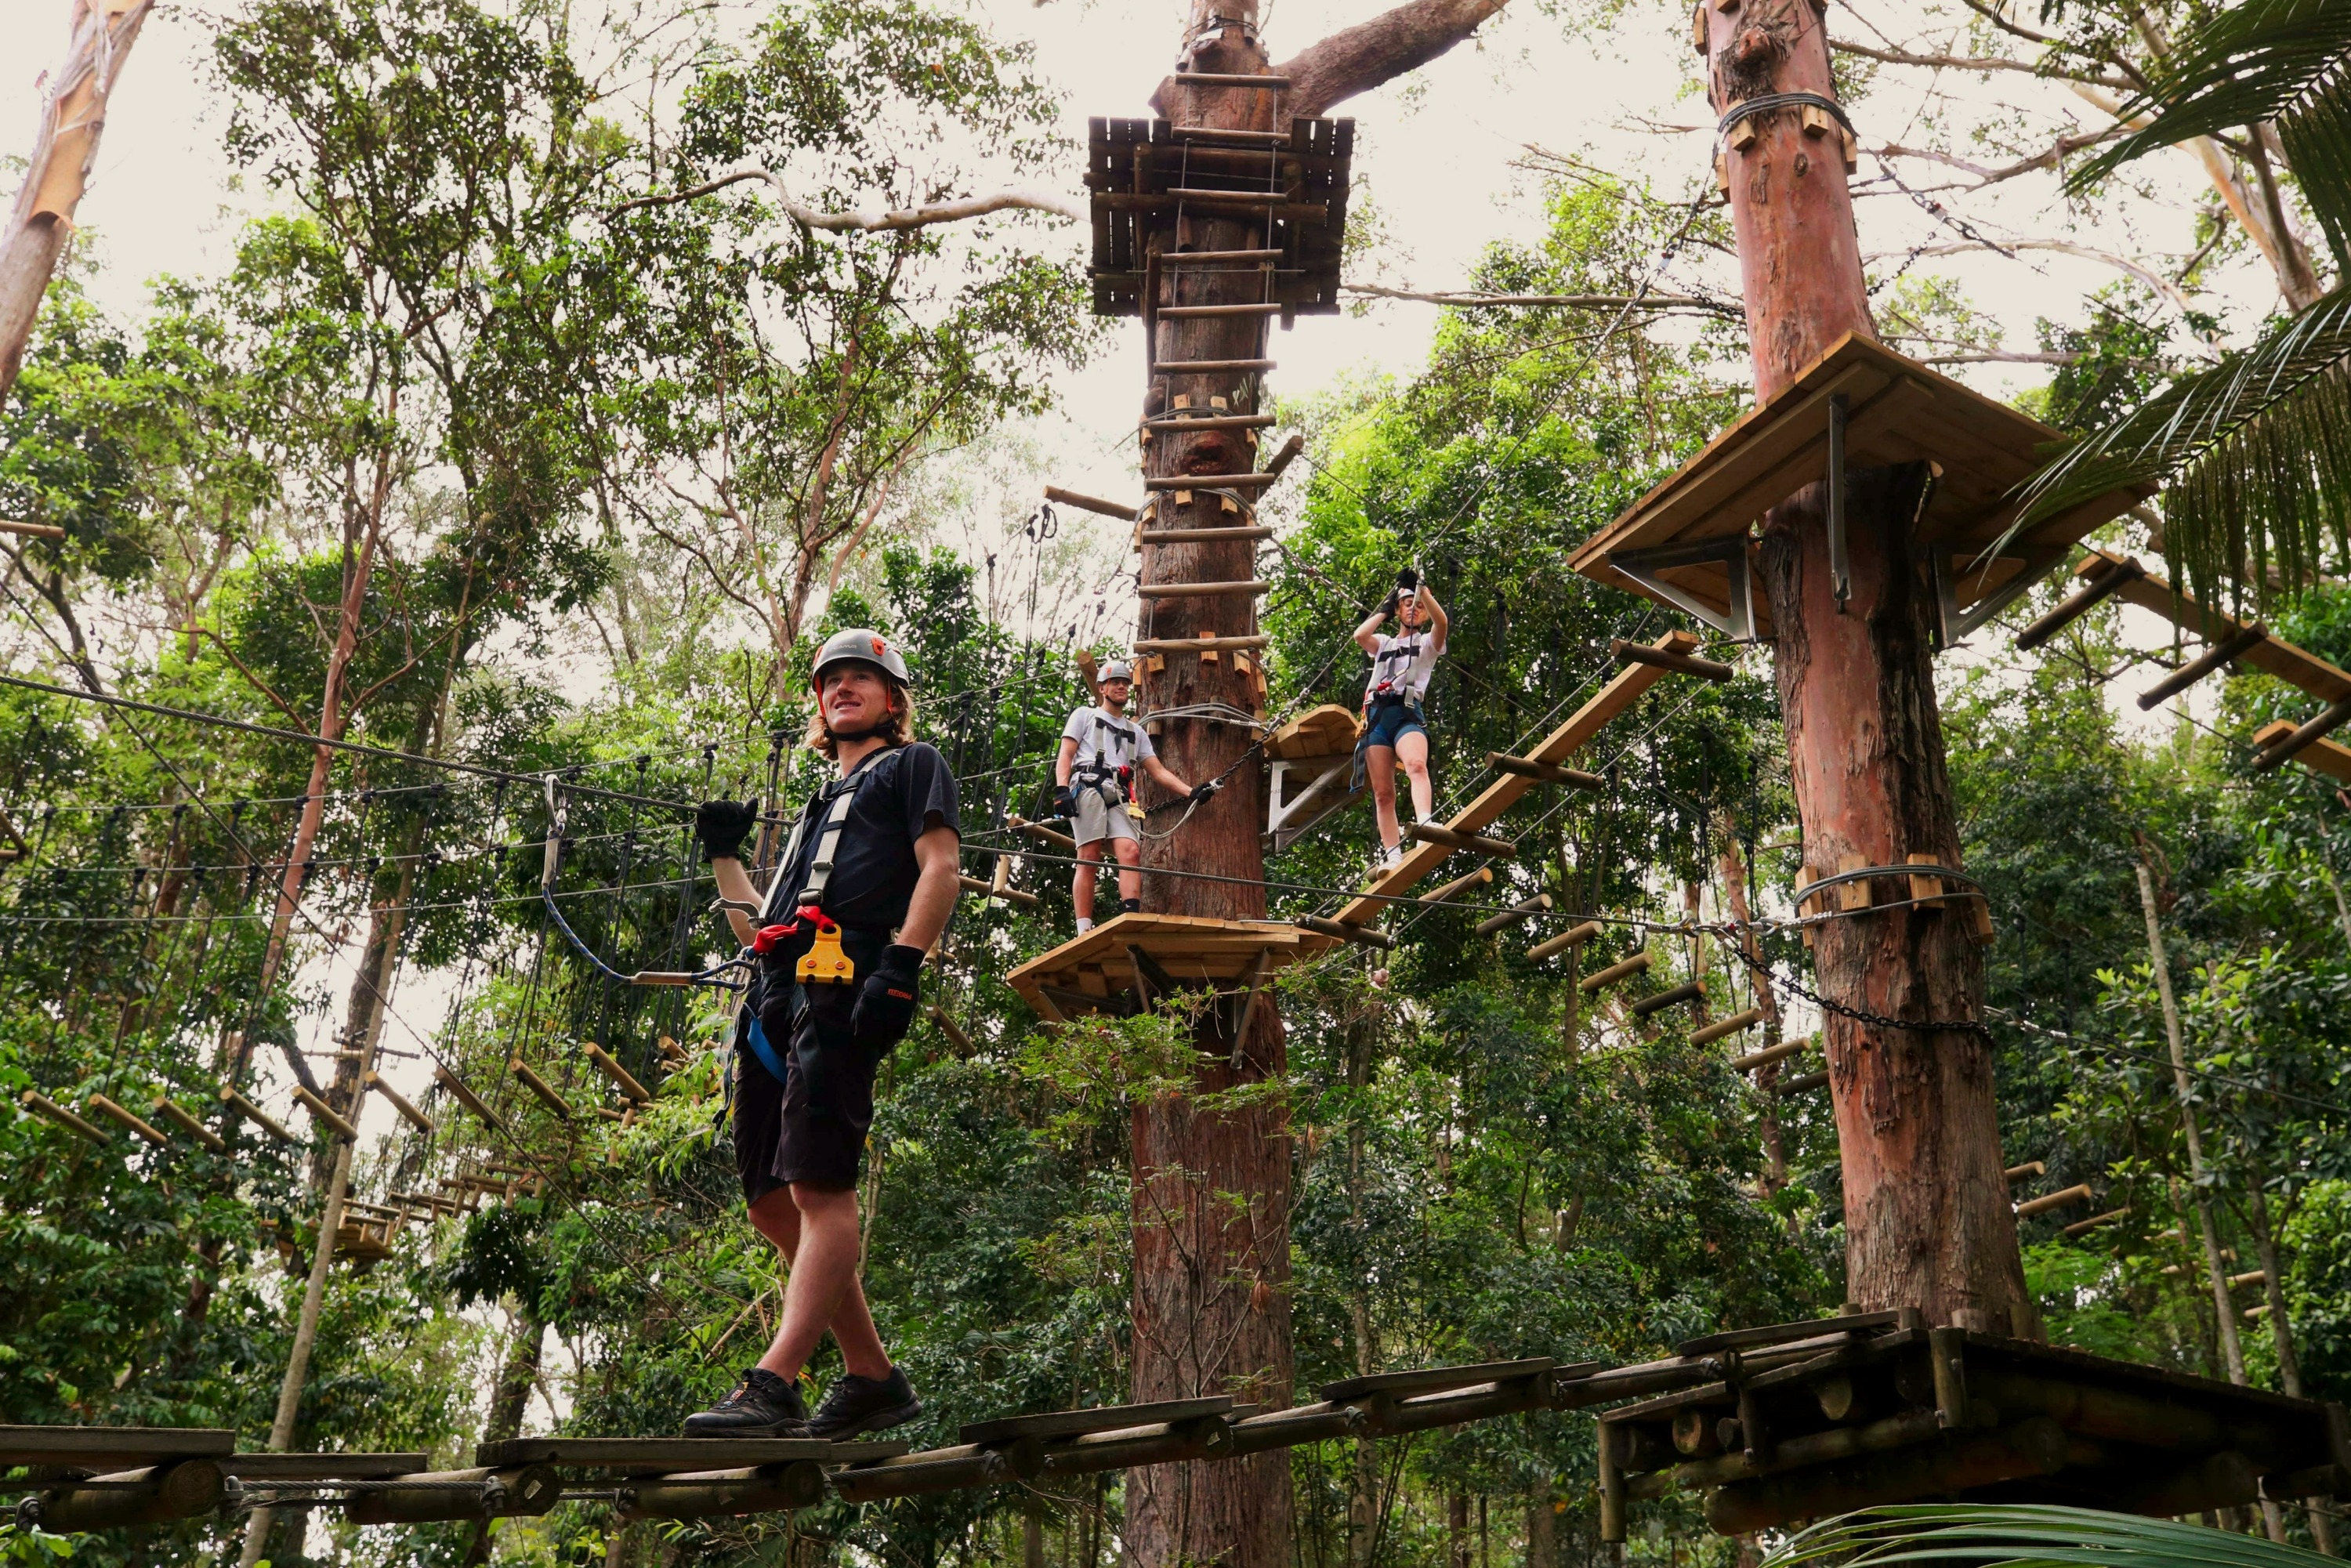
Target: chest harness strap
point(824, 962)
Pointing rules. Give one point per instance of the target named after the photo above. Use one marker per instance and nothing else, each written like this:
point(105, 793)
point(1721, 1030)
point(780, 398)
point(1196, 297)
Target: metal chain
point(1762, 967)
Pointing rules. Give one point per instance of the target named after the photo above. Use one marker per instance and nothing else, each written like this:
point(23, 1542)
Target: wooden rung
point(126, 1119)
point(947, 1027)
point(1539, 903)
point(1688, 991)
point(2043, 1205)
point(1226, 78)
point(1219, 133)
point(1212, 422)
point(1092, 504)
point(253, 1113)
point(1021, 896)
point(1206, 367)
point(2299, 738)
point(1212, 481)
point(1198, 312)
point(622, 1079)
point(1625, 653)
point(32, 531)
point(2029, 1168)
point(1358, 934)
point(1435, 833)
point(1638, 964)
point(1768, 1055)
point(1730, 1025)
point(1203, 536)
point(1478, 878)
point(2244, 641)
point(42, 1105)
point(1550, 773)
point(1041, 833)
point(2104, 586)
point(2083, 1227)
point(1250, 589)
point(171, 1111)
point(1184, 259)
point(1803, 1085)
point(1575, 936)
point(2238, 1281)
point(320, 1109)
point(1199, 645)
point(1238, 198)
point(399, 1101)
point(540, 1087)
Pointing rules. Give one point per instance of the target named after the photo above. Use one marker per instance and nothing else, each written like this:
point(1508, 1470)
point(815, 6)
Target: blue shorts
point(1391, 722)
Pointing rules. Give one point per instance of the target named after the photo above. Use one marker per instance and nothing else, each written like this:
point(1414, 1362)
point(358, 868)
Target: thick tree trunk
point(1927, 1213)
point(1211, 1307)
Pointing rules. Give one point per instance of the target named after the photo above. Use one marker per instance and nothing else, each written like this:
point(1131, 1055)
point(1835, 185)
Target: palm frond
point(2282, 60)
point(2255, 454)
point(2028, 1535)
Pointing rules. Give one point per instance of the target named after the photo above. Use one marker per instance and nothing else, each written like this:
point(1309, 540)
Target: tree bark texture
point(1211, 1307)
point(64, 148)
point(1927, 1221)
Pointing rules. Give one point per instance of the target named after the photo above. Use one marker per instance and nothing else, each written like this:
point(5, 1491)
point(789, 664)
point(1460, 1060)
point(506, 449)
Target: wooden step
point(1638, 964)
point(1186, 259)
point(1204, 536)
point(1224, 78)
point(1208, 367)
point(1575, 936)
point(1211, 422)
point(1730, 1025)
point(1478, 843)
point(1539, 903)
point(1199, 645)
point(1212, 133)
point(1625, 653)
point(1527, 767)
point(1196, 313)
point(1233, 198)
point(1211, 481)
point(1478, 878)
point(1251, 589)
point(1091, 504)
point(1360, 934)
point(1689, 991)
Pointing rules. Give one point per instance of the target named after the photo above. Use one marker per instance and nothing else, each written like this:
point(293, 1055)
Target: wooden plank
point(2323, 755)
point(1503, 793)
point(1328, 730)
point(657, 1455)
point(1097, 1418)
point(2273, 656)
point(1433, 1379)
point(321, 1466)
point(80, 1447)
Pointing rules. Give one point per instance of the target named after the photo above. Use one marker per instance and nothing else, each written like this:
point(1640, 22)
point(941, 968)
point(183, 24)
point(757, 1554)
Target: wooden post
point(1928, 1219)
point(2216, 1270)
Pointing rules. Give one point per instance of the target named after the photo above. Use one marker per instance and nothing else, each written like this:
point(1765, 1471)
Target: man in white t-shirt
point(1392, 731)
point(1100, 749)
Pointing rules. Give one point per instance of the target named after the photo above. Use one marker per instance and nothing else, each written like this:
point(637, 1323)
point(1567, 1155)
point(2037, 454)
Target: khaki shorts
point(1097, 821)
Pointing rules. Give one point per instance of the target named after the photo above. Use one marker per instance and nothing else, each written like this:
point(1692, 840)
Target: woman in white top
point(1392, 732)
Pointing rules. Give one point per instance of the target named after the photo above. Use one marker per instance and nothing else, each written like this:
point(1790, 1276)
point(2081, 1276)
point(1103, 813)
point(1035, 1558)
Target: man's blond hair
point(898, 731)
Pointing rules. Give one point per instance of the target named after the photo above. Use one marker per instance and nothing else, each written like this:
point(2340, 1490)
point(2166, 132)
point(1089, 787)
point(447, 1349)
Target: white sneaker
point(1084, 924)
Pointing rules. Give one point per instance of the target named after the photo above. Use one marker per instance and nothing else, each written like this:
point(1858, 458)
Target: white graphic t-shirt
point(1402, 665)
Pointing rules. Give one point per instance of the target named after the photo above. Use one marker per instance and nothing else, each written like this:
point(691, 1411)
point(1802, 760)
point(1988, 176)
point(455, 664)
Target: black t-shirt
point(902, 793)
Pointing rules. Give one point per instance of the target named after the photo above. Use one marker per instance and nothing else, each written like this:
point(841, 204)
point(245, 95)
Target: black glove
point(1407, 581)
point(1202, 791)
point(722, 825)
point(885, 1002)
point(1065, 801)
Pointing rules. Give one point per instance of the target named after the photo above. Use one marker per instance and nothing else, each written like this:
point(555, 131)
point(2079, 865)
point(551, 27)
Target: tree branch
point(2064, 147)
point(1359, 59)
point(865, 222)
point(1974, 63)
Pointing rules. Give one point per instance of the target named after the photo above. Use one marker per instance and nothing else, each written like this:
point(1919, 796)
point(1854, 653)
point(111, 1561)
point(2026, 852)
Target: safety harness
point(1399, 667)
point(1099, 776)
point(824, 963)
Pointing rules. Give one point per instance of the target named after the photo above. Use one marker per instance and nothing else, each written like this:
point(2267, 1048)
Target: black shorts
point(812, 1126)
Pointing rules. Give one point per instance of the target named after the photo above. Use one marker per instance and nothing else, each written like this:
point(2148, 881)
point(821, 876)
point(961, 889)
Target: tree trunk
point(504, 1422)
point(1543, 1530)
point(1926, 1212)
point(64, 148)
point(1456, 1529)
point(1734, 902)
point(1211, 1309)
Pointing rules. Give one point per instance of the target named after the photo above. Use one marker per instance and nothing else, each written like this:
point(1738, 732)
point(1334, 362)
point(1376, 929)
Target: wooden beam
point(125, 1119)
point(1252, 531)
point(2300, 738)
point(1610, 702)
point(1092, 504)
point(1638, 964)
point(2030, 1167)
point(622, 1079)
point(2064, 1199)
point(32, 530)
point(539, 1086)
point(1543, 772)
point(990, 889)
point(469, 1100)
point(253, 1113)
point(168, 1109)
point(1803, 1085)
point(2271, 656)
point(1212, 422)
point(1452, 839)
point(42, 1105)
point(1625, 653)
point(1246, 588)
point(947, 1027)
point(1346, 932)
point(1730, 1025)
point(2108, 583)
point(1478, 878)
point(2095, 1221)
point(325, 1112)
point(1539, 903)
point(1689, 991)
point(2232, 646)
point(2327, 757)
point(1199, 645)
point(1043, 833)
point(1575, 936)
point(1754, 1061)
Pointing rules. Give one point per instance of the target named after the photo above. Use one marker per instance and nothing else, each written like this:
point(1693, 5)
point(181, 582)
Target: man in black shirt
point(864, 890)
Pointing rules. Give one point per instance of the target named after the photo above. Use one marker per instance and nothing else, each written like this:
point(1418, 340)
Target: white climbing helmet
point(1117, 670)
point(862, 645)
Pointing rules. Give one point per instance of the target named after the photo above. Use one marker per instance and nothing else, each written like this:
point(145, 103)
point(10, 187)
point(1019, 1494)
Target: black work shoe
point(854, 1404)
point(763, 1406)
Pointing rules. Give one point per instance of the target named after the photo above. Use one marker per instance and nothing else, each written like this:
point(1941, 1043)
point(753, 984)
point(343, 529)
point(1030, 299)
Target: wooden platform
point(1897, 410)
point(1310, 766)
point(1908, 1414)
point(1619, 694)
point(1134, 166)
point(1095, 971)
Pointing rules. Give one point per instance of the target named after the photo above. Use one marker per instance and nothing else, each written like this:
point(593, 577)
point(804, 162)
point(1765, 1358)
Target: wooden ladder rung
point(1250, 588)
point(1194, 312)
point(1226, 78)
point(1549, 773)
point(1453, 838)
point(1211, 481)
point(1208, 367)
point(1211, 422)
point(1238, 198)
point(1345, 933)
point(1203, 536)
point(1217, 133)
point(1189, 258)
